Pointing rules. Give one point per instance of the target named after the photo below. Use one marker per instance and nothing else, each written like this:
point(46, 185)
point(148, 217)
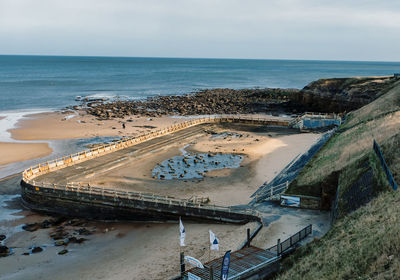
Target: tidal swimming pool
point(194, 165)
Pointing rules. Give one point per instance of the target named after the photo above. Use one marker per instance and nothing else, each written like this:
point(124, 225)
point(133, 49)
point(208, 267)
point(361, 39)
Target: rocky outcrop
point(206, 102)
point(342, 94)
point(326, 95)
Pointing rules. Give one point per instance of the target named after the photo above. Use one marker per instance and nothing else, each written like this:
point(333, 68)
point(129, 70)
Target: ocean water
point(53, 82)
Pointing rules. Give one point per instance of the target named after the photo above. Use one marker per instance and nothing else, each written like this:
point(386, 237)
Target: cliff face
point(342, 94)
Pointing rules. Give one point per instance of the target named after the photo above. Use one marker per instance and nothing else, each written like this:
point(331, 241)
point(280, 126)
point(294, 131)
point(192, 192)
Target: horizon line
point(200, 58)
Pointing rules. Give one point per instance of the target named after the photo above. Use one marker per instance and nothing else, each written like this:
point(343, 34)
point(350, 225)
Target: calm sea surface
point(52, 82)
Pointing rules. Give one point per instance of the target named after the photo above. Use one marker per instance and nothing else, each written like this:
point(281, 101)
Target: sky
point(265, 29)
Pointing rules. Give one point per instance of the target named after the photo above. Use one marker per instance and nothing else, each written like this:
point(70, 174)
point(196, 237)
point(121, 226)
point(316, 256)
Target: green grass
point(378, 120)
point(363, 245)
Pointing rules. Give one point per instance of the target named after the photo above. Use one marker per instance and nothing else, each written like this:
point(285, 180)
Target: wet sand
point(14, 152)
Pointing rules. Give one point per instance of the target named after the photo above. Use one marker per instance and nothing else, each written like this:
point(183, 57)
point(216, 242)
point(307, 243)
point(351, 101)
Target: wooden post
point(211, 273)
point(278, 249)
point(248, 237)
point(182, 264)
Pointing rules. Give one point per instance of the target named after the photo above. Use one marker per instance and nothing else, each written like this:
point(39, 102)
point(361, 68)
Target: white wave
point(10, 121)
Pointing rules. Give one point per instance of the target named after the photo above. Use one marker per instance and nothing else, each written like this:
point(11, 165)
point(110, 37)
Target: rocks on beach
point(64, 231)
point(206, 102)
point(37, 250)
point(325, 95)
point(4, 251)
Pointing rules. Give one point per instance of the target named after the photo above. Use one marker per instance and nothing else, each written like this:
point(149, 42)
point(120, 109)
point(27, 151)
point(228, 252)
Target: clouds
point(303, 29)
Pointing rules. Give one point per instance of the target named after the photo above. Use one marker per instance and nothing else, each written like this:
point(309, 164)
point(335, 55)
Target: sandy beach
point(128, 250)
point(14, 152)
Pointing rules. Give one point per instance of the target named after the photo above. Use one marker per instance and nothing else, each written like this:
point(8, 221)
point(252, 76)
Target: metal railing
point(291, 241)
point(385, 167)
point(81, 188)
point(43, 168)
point(49, 166)
point(272, 192)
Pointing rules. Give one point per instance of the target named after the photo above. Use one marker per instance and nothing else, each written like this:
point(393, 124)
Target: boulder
point(36, 250)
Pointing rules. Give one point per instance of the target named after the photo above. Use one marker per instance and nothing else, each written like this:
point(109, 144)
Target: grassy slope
point(366, 243)
point(363, 245)
point(378, 120)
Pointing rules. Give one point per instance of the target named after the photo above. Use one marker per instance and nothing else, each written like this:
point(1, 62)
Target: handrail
point(49, 166)
point(43, 168)
point(85, 188)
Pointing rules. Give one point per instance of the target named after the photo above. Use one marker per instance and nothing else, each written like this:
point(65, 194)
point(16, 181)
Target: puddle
point(194, 166)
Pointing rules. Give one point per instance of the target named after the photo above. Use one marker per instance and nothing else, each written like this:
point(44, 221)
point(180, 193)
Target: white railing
point(53, 165)
point(273, 191)
point(81, 188)
point(49, 166)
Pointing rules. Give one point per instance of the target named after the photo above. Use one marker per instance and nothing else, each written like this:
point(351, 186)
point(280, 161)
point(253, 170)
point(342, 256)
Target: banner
point(194, 262)
point(193, 277)
point(225, 265)
point(290, 201)
point(214, 241)
point(182, 233)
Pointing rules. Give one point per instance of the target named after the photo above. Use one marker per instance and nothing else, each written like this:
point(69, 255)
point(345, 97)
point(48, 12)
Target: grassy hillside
point(365, 243)
point(378, 120)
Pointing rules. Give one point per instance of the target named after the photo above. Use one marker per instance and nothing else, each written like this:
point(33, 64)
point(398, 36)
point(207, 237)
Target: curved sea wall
point(100, 203)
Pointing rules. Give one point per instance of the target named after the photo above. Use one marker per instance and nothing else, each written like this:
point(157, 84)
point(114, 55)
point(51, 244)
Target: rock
point(2, 237)
point(26, 254)
point(58, 235)
point(4, 251)
point(31, 227)
point(37, 250)
point(341, 94)
point(63, 252)
point(60, 243)
point(46, 224)
point(76, 240)
point(84, 231)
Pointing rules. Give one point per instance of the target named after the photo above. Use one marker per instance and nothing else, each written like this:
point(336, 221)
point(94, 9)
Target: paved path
point(115, 159)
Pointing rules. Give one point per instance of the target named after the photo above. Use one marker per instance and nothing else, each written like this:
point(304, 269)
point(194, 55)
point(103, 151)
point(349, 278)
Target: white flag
point(182, 233)
point(214, 241)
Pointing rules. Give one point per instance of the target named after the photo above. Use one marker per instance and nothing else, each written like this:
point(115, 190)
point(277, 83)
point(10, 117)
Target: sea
point(29, 83)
